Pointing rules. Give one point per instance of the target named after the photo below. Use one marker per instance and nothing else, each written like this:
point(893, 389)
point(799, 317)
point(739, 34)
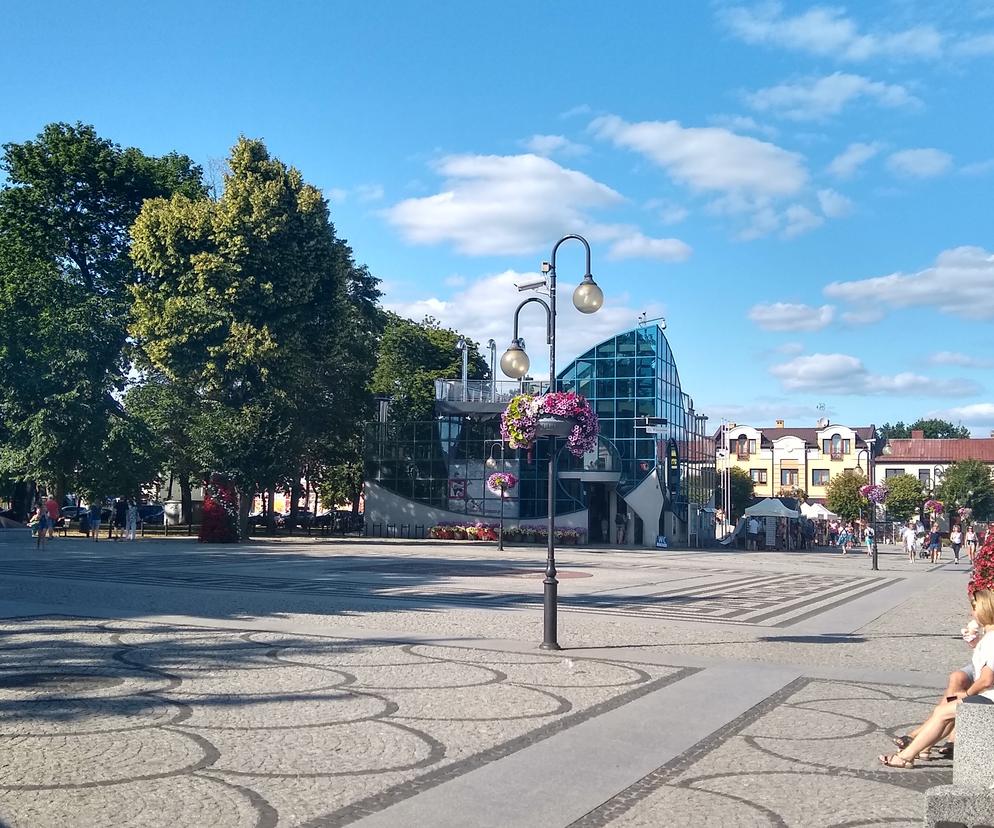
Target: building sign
point(672, 467)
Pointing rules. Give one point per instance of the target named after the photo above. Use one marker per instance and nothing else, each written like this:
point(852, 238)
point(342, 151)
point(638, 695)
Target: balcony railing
point(486, 391)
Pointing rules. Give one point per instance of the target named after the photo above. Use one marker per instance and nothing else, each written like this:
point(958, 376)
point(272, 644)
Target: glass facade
point(445, 463)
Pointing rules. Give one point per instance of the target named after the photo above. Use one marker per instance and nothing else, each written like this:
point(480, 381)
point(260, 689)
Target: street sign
point(657, 429)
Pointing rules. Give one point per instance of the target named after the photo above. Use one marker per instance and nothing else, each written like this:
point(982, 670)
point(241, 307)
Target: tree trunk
point(245, 497)
point(295, 492)
point(355, 500)
point(60, 489)
point(186, 499)
point(22, 500)
point(270, 513)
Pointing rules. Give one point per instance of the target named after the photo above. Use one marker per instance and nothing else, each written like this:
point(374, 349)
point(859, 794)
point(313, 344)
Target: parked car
point(340, 520)
point(73, 512)
point(305, 517)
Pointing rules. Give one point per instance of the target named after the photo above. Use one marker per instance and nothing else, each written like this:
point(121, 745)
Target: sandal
point(943, 751)
point(895, 760)
point(902, 741)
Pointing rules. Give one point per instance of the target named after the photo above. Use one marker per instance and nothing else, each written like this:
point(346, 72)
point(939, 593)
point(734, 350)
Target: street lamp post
point(492, 347)
point(463, 345)
point(587, 298)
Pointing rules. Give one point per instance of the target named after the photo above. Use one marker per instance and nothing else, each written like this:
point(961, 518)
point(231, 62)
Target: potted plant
point(500, 483)
point(557, 414)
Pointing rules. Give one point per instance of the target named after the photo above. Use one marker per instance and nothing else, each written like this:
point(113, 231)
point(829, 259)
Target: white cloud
point(978, 167)
point(547, 145)
point(926, 162)
point(819, 98)
point(763, 412)
point(861, 317)
point(960, 360)
point(977, 46)
point(829, 32)
point(789, 348)
point(669, 212)
point(784, 316)
point(336, 195)
point(744, 123)
point(364, 193)
point(484, 309)
point(709, 158)
point(845, 374)
point(637, 246)
point(573, 112)
point(455, 280)
point(960, 283)
point(833, 204)
point(845, 164)
point(501, 204)
point(799, 219)
point(979, 417)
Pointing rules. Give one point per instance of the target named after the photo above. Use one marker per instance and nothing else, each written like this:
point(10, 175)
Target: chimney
point(779, 423)
point(917, 435)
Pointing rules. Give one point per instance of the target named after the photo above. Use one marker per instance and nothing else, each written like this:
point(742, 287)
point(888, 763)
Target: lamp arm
point(548, 317)
point(578, 238)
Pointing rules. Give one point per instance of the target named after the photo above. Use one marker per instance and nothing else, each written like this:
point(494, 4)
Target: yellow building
point(781, 458)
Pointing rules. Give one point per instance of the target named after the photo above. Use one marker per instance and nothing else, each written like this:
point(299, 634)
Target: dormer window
point(836, 446)
point(744, 447)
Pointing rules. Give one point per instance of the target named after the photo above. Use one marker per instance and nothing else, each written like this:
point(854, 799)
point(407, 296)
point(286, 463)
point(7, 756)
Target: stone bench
point(969, 801)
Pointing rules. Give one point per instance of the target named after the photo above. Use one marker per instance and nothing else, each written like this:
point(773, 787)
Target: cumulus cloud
point(763, 412)
point(829, 32)
point(846, 163)
point(547, 145)
point(979, 417)
point(784, 316)
point(965, 275)
point(637, 246)
point(845, 374)
point(484, 309)
point(799, 219)
point(978, 167)
point(744, 123)
point(709, 158)
point(820, 98)
point(363, 193)
point(668, 212)
point(495, 204)
point(833, 204)
point(959, 360)
point(926, 162)
point(861, 317)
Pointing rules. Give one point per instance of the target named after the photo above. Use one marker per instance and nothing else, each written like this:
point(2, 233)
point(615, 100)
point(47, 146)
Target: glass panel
point(606, 349)
point(626, 367)
point(604, 389)
point(584, 368)
point(585, 387)
point(646, 368)
point(646, 408)
point(605, 368)
point(625, 389)
point(605, 408)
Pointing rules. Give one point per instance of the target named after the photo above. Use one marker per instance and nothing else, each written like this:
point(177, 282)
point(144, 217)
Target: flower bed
point(488, 532)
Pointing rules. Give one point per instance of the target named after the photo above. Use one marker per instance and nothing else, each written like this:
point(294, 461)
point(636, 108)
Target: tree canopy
point(842, 496)
point(69, 199)
point(968, 484)
point(934, 429)
point(904, 496)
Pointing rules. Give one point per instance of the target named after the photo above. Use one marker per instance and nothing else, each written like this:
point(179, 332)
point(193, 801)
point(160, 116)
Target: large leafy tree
point(904, 496)
point(244, 299)
point(412, 356)
point(842, 496)
point(743, 492)
point(935, 429)
point(69, 199)
point(968, 484)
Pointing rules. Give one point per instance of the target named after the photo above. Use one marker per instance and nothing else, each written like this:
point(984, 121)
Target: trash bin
point(173, 512)
point(84, 523)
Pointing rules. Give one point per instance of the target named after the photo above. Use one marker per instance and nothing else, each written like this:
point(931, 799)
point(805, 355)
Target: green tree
point(65, 209)
point(968, 484)
point(842, 496)
point(904, 496)
point(743, 492)
point(412, 355)
point(244, 299)
point(934, 429)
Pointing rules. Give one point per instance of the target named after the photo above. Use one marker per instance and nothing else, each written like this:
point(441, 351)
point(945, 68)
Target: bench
point(969, 801)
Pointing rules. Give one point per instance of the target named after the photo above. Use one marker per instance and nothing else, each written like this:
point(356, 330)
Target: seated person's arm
point(985, 681)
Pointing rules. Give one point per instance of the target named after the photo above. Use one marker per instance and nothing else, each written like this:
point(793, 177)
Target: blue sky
point(802, 190)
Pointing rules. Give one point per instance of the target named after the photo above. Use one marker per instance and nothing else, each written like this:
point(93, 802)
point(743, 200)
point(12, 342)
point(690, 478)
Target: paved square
point(328, 684)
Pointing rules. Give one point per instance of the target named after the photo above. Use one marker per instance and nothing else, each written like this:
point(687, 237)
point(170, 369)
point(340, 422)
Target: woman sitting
point(981, 673)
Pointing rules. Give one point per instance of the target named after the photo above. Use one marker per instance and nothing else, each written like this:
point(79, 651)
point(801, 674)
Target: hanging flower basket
point(500, 483)
point(936, 507)
point(964, 512)
point(559, 414)
point(874, 492)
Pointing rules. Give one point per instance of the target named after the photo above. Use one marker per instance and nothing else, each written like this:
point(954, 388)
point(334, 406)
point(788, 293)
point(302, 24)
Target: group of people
point(974, 679)
point(928, 544)
point(123, 518)
point(846, 536)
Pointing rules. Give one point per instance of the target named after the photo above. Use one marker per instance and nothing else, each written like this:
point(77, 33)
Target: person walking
point(41, 522)
point(621, 521)
point(869, 536)
point(120, 516)
point(752, 533)
point(132, 519)
point(935, 543)
point(54, 514)
point(971, 542)
point(909, 538)
point(956, 541)
point(94, 514)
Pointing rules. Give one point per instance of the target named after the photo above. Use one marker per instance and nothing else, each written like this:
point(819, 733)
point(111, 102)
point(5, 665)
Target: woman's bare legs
point(928, 734)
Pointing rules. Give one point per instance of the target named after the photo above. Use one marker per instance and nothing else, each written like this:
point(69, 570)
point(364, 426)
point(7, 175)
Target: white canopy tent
point(771, 507)
point(817, 511)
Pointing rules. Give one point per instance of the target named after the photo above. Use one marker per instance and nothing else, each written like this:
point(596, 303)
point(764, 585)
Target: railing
point(485, 391)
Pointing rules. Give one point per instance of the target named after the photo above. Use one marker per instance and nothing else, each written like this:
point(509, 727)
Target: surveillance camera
point(540, 283)
point(662, 324)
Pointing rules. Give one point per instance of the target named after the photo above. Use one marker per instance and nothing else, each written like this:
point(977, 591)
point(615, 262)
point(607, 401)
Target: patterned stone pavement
point(115, 723)
point(167, 684)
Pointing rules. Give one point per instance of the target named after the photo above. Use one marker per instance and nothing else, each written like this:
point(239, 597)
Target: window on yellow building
point(819, 477)
point(758, 475)
point(788, 477)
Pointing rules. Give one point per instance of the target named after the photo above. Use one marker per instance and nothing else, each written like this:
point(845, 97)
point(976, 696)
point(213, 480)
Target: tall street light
point(587, 298)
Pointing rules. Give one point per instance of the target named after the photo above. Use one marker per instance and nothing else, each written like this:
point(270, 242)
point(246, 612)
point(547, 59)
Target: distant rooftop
point(925, 450)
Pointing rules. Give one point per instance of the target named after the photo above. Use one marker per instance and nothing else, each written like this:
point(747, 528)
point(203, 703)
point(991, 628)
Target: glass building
point(647, 484)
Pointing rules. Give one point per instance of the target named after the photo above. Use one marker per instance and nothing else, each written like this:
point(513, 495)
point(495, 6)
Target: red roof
point(939, 451)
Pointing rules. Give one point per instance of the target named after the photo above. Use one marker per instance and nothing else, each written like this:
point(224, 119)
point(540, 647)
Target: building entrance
point(598, 513)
